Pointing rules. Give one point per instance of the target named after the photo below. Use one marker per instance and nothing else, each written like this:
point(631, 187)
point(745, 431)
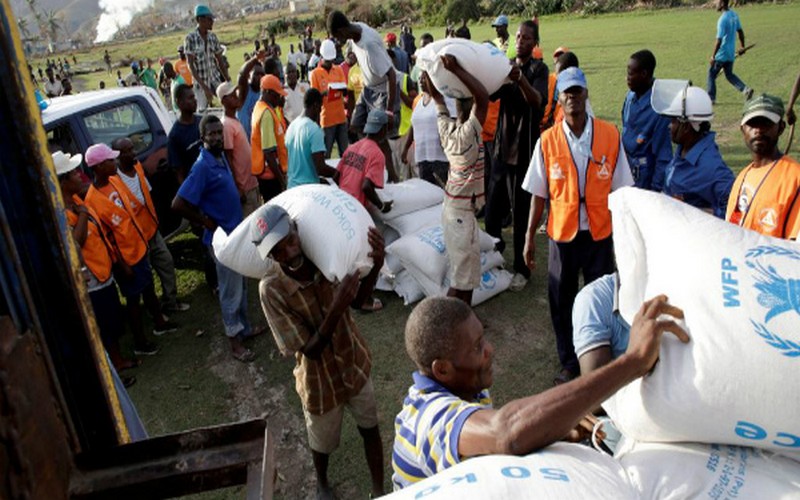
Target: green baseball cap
point(202, 11)
point(765, 105)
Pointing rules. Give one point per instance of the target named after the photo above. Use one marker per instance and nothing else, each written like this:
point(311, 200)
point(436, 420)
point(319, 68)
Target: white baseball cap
point(328, 50)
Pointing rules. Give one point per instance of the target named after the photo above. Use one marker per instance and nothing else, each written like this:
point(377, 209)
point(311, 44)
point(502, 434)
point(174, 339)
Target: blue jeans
point(713, 73)
point(232, 299)
point(336, 133)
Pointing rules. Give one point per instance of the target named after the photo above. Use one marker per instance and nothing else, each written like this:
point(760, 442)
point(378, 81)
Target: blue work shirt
point(727, 27)
point(211, 188)
point(400, 59)
point(596, 321)
point(701, 179)
point(303, 138)
point(246, 111)
point(646, 139)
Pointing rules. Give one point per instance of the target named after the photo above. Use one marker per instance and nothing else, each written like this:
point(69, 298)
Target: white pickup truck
point(73, 123)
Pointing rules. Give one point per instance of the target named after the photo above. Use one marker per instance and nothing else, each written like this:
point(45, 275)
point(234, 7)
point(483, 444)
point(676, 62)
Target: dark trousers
point(498, 205)
point(565, 260)
point(269, 188)
point(498, 199)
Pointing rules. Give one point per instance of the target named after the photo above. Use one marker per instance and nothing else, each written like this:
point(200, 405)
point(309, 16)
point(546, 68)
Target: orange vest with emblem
point(563, 222)
point(774, 207)
point(145, 214)
point(259, 166)
point(96, 251)
point(119, 221)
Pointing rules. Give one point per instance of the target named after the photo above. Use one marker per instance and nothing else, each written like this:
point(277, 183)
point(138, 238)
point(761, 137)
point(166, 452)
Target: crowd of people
point(530, 156)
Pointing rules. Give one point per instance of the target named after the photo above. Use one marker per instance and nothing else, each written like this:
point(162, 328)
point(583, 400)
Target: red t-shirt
point(362, 160)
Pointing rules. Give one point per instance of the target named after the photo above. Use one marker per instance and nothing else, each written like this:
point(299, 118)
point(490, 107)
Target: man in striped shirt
point(463, 146)
point(447, 415)
point(310, 317)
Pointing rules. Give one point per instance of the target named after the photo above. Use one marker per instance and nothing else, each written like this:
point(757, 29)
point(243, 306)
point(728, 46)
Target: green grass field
point(194, 382)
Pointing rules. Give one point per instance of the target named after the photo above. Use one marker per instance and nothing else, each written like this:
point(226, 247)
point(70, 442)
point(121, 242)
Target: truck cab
point(73, 123)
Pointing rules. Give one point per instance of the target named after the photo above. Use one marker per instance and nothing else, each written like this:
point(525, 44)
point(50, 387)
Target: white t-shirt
point(53, 89)
point(427, 145)
point(294, 100)
point(372, 57)
point(536, 179)
point(133, 185)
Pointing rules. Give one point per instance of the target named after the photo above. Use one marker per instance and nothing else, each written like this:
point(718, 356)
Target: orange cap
point(537, 52)
point(271, 82)
point(560, 51)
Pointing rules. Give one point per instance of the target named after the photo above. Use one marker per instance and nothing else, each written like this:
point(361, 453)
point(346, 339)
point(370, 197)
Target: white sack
point(417, 221)
point(332, 226)
point(491, 260)
point(493, 282)
point(408, 288)
point(408, 196)
point(682, 470)
point(424, 251)
point(237, 252)
point(484, 61)
point(737, 381)
point(561, 471)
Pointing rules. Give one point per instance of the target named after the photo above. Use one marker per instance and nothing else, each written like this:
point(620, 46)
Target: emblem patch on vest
point(602, 172)
point(555, 172)
point(768, 219)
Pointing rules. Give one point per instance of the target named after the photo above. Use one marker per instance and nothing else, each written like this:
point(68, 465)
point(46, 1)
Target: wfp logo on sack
point(775, 282)
point(488, 281)
point(433, 237)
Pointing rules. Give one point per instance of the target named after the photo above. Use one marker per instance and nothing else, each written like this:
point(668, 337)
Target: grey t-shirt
point(372, 58)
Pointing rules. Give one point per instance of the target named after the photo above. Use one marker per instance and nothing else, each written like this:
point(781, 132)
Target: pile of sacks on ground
point(333, 233)
point(717, 418)
point(416, 264)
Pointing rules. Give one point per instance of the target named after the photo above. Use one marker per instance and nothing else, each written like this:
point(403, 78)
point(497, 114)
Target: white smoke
point(117, 14)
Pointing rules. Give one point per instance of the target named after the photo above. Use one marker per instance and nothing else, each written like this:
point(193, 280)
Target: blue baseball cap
point(502, 20)
point(570, 77)
point(376, 119)
point(202, 10)
point(268, 227)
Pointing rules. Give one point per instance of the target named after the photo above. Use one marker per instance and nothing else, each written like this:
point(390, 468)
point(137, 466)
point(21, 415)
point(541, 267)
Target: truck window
point(127, 120)
point(61, 138)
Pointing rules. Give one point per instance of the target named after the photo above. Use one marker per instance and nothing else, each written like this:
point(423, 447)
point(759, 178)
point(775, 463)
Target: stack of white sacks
point(333, 233)
point(416, 263)
point(718, 418)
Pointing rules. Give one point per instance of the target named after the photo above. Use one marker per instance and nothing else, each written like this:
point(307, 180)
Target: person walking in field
point(728, 27)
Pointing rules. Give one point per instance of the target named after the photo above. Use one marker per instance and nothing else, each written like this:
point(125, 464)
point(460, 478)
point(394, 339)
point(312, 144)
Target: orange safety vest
point(490, 123)
point(145, 214)
point(562, 181)
point(549, 112)
point(774, 201)
point(131, 244)
point(259, 167)
point(96, 251)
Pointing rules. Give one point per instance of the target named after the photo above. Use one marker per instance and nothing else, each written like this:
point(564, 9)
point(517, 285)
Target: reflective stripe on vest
point(258, 163)
point(563, 222)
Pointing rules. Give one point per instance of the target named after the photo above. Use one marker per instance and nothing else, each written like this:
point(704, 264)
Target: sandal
point(257, 331)
point(244, 356)
point(370, 306)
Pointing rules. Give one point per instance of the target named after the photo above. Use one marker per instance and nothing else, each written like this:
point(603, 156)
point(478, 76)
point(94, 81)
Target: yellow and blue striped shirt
point(427, 430)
